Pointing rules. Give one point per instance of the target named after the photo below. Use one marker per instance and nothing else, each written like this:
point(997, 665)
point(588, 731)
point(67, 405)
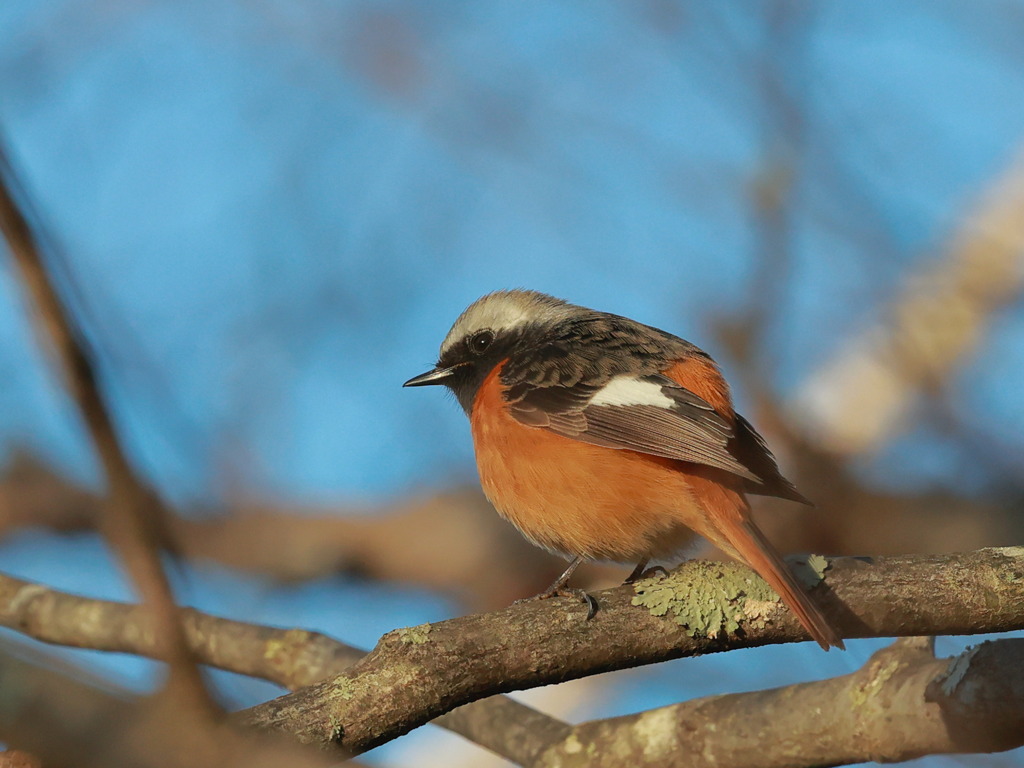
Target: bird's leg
point(559, 589)
point(639, 572)
point(561, 581)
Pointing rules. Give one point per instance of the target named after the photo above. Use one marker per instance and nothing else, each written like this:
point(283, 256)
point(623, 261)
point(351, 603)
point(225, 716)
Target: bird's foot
point(639, 574)
point(556, 590)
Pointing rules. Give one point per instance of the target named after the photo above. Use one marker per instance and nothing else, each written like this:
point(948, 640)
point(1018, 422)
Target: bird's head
point(488, 332)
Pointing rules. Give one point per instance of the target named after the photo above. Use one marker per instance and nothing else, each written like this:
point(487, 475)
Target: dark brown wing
point(550, 386)
point(751, 449)
point(688, 429)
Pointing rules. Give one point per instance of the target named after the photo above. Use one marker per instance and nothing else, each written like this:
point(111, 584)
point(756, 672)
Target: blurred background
point(266, 214)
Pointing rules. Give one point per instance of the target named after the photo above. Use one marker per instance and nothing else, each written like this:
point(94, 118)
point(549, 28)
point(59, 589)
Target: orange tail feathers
point(752, 546)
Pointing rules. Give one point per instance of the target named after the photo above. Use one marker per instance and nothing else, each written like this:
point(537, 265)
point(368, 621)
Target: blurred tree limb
point(63, 721)
point(903, 704)
point(860, 398)
point(413, 670)
point(450, 540)
point(134, 513)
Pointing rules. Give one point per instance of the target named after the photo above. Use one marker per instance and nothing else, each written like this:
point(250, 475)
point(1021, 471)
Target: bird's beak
point(435, 376)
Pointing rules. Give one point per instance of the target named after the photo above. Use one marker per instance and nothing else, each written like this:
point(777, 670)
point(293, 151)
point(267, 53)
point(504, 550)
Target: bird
point(601, 438)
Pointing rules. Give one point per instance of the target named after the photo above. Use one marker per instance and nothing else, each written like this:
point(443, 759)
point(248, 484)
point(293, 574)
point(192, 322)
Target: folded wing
point(650, 414)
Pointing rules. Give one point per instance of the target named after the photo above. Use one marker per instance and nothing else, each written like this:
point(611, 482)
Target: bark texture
point(416, 674)
point(292, 658)
point(903, 704)
point(973, 703)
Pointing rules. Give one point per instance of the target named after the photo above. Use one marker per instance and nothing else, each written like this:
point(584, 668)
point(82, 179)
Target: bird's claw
point(564, 591)
point(654, 570)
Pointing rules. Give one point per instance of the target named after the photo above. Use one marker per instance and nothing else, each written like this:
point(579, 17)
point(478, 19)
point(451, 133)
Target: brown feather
point(580, 486)
point(701, 376)
point(734, 532)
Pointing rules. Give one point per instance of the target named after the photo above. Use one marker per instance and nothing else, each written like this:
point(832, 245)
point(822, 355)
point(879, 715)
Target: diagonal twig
point(132, 521)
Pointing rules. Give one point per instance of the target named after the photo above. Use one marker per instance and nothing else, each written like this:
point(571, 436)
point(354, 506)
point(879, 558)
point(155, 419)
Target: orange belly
point(579, 499)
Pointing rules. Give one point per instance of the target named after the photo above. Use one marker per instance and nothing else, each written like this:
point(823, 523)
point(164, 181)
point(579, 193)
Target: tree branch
point(974, 592)
point(414, 675)
point(904, 703)
point(862, 396)
point(65, 722)
point(13, 758)
point(292, 658)
point(445, 540)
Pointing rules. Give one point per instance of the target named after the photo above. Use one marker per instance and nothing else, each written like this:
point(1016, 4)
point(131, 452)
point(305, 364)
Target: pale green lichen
point(337, 732)
point(655, 732)
point(861, 694)
point(415, 635)
point(757, 611)
point(572, 745)
point(707, 598)
point(345, 688)
point(571, 753)
point(1012, 574)
point(810, 569)
point(283, 652)
point(285, 643)
point(1011, 577)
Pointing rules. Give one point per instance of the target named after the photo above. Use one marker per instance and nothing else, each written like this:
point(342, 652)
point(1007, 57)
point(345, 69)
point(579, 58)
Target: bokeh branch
point(450, 540)
point(862, 396)
point(903, 704)
point(63, 722)
point(133, 519)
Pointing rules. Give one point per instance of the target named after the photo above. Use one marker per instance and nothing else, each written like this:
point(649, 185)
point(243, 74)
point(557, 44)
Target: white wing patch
point(629, 390)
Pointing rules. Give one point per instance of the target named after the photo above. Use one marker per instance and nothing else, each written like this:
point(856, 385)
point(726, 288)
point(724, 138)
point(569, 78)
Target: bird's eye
point(480, 341)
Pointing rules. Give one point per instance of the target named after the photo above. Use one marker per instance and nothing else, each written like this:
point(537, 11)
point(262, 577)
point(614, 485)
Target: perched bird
point(601, 438)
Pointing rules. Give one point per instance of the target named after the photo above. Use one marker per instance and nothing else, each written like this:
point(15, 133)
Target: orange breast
point(601, 503)
point(580, 499)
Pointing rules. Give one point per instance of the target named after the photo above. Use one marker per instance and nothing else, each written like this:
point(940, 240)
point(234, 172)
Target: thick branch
point(904, 703)
point(414, 675)
point(295, 657)
point(292, 658)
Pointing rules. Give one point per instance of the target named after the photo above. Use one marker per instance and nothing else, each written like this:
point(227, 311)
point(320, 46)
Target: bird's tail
point(755, 550)
point(729, 526)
